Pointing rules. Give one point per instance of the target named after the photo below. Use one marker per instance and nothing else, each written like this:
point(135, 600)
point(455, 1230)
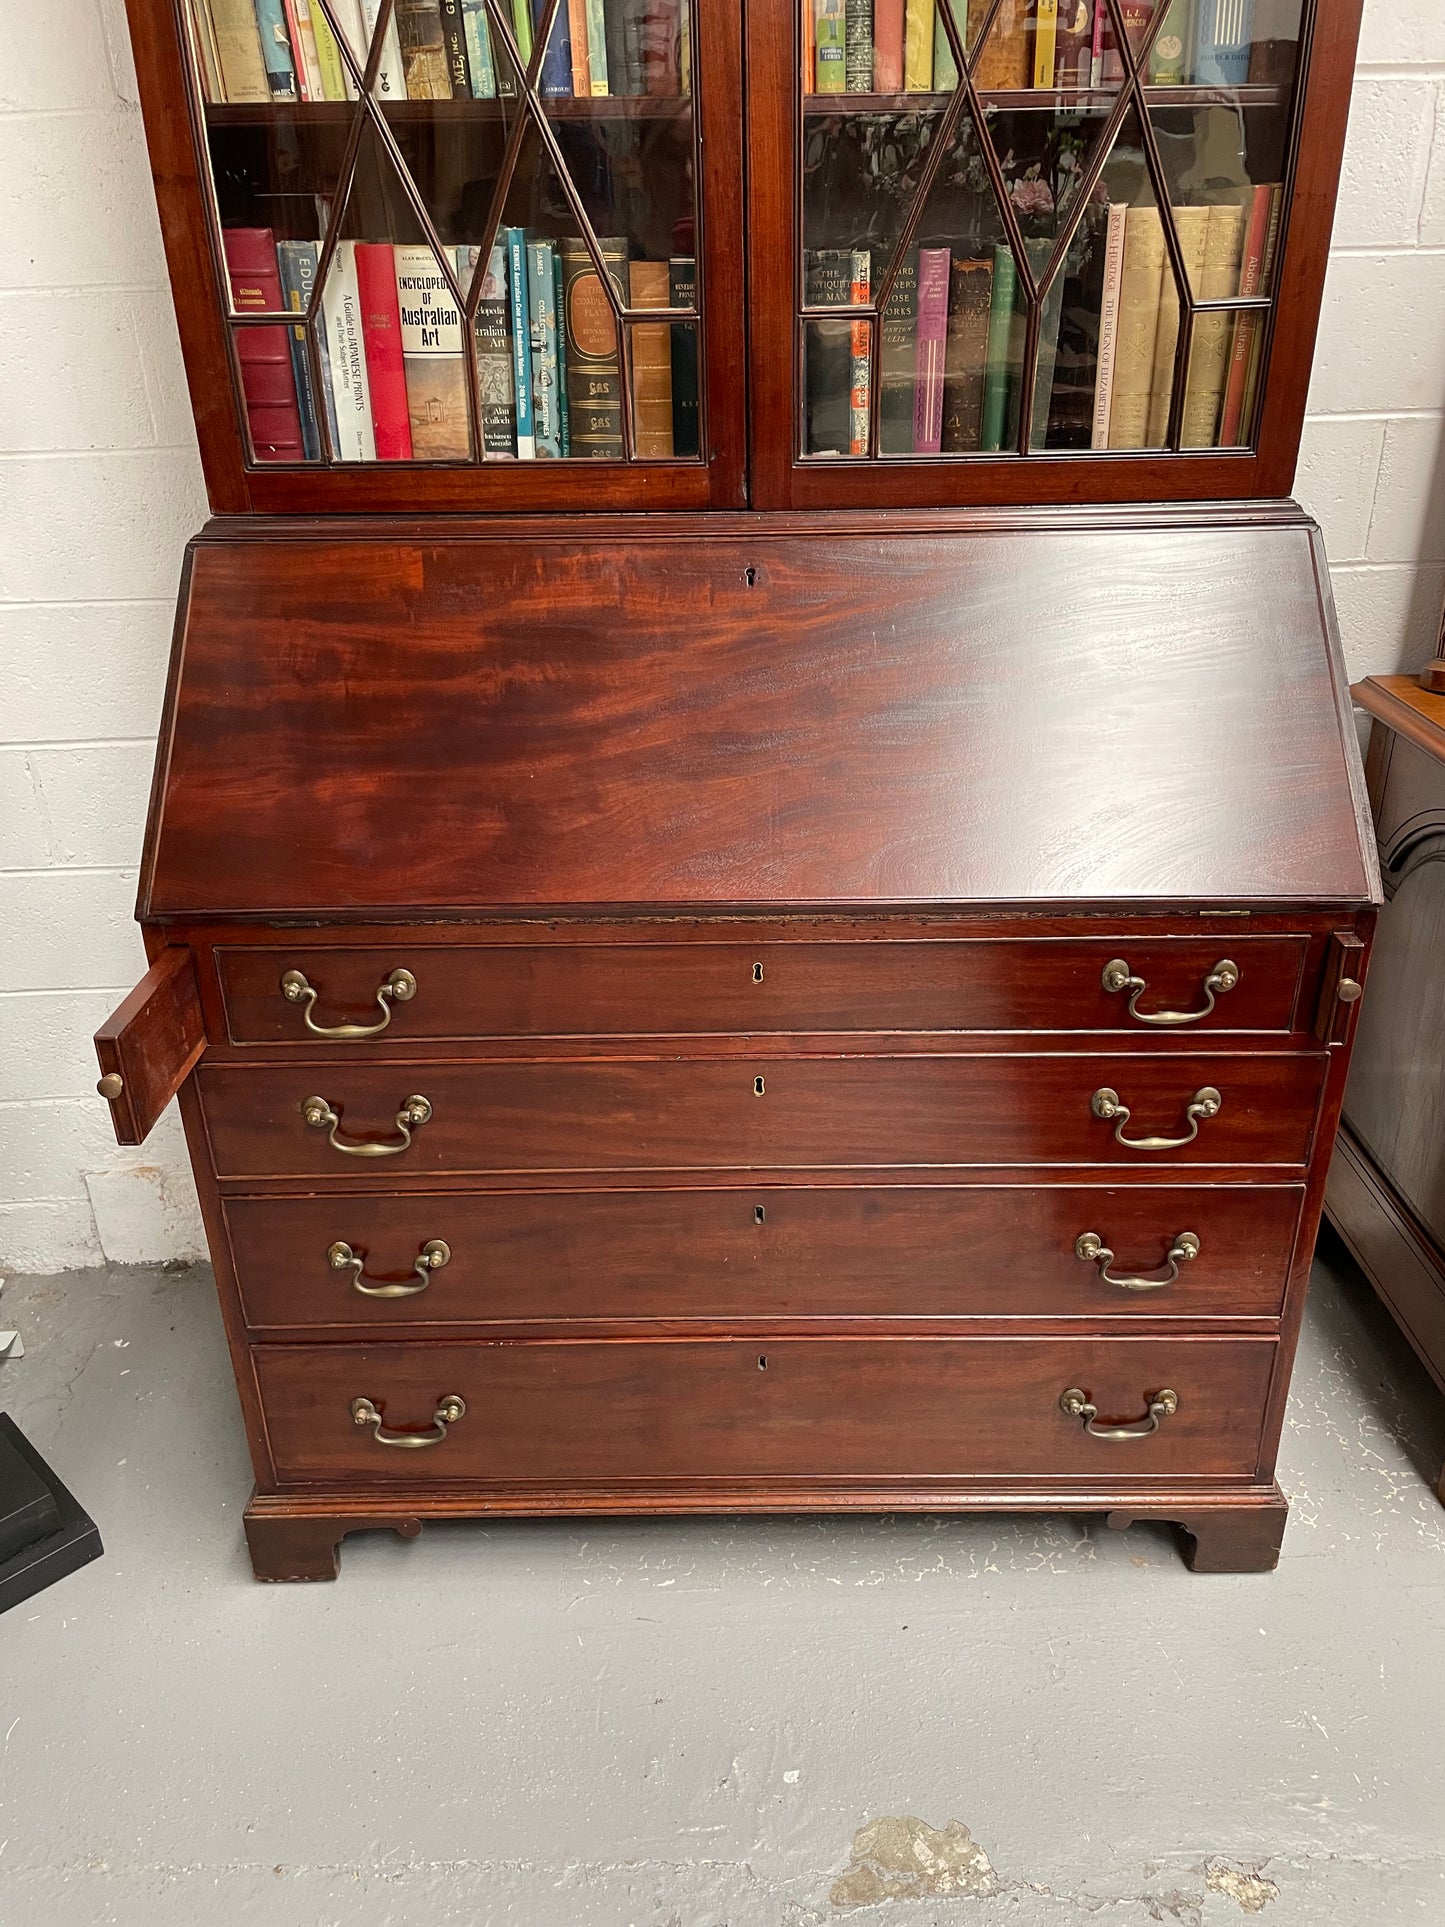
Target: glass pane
point(837, 356)
point(664, 412)
point(1232, 159)
point(1137, 331)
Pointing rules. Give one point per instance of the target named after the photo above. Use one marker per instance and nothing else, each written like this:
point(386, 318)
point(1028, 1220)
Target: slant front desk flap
point(842, 717)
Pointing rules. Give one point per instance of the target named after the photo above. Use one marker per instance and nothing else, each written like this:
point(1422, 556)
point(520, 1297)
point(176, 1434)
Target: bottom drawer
point(574, 1413)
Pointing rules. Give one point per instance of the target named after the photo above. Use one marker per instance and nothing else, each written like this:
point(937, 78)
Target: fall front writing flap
point(709, 714)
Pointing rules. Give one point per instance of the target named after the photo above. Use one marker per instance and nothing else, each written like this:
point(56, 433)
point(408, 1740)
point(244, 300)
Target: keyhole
point(750, 576)
point(762, 1363)
point(760, 1214)
point(757, 973)
point(758, 1087)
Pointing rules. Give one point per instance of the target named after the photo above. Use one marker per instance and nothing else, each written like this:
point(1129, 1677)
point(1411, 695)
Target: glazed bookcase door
point(419, 269)
point(1037, 250)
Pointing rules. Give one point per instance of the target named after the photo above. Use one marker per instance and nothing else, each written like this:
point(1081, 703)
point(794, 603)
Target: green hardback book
point(830, 38)
point(858, 52)
point(996, 380)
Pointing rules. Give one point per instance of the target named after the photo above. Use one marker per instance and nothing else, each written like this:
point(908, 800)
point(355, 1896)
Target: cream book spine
point(1109, 320)
point(238, 51)
point(1191, 224)
point(1138, 325)
point(1209, 361)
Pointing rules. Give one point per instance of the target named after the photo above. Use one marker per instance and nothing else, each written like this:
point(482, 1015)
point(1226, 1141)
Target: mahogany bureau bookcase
point(758, 878)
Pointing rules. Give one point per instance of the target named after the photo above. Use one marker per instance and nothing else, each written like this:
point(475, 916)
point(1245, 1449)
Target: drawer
point(765, 1252)
point(630, 990)
point(576, 1413)
point(792, 1113)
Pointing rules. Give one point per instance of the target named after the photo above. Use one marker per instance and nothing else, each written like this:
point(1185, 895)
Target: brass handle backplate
point(321, 1117)
point(435, 1253)
point(1206, 1102)
point(1119, 977)
point(448, 1411)
point(1161, 1405)
point(398, 988)
point(1091, 1248)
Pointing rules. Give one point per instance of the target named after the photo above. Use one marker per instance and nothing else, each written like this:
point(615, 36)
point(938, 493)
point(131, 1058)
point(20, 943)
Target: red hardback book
point(381, 334)
point(888, 46)
point(268, 380)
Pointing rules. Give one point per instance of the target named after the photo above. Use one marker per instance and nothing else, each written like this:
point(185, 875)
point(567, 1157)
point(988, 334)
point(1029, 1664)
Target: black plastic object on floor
point(43, 1532)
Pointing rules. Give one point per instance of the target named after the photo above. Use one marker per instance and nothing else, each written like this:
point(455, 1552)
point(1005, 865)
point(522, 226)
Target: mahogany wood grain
point(844, 1113)
point(577, 1412)
point(834, 723)
point(152, 1042)
point(764, 1255)
point(1239, 1538)
point(620, 990)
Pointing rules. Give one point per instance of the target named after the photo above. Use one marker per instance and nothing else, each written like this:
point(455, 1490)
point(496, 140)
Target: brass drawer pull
point(433, 1255)
point(412, 1115)
point(1206, 1102)
point(1161, 1405)
point(1118, 976)
point(448, 1411)
point(1091, 1248)
point(399, 988)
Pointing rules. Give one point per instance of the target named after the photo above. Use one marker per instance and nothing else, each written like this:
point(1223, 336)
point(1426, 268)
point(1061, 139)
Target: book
point(334, 74)
point(423, 49)
point(632, 12)
point(615, 64)
point(1209, 359)
point(481, 69)
point(965, 353)
point(1138, 325)
point(433, 365)
point(454, 44)
point(296, 262)
point(999, 368)
point(597, 58)
point(522, 28)
point(888, 46)
point(564, 412)
point(860, 355)
point(594, 379)
point(1073, 43)
point(1138, 15)
point(519, 328)
point(682, 293)
point(351, 29)
point(898, 359)
point(390, 82)
point(858, 46)
point(828, 283)
point(1074, 345)
point(945, 67)
point(554, 78)
point(494, 349)
point(268, 383)
point(1005, 59)
point(354, 439)
point(651, 363)
point(1191, 224)
point(1045, 24)
point(381, 336)
point(1051, 314)
point(810, 48)
point(238, 51)
point(830, 44)
point(1274, 48)
point(918, 47)
point(276, 50)
point(207, 56)
point(581, 60)
point(933, 276)
point(303, 49)
point(1223, 39)
point(1169, 57)
point(1108, 321)
point(1251, 268)
point(1266, 278)
point(542, 341)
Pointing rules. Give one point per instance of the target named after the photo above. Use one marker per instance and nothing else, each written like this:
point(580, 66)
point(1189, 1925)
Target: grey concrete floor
point(687, 1724)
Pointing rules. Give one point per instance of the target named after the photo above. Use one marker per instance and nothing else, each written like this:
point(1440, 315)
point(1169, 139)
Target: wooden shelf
point(410, 113)
point(1044, 100)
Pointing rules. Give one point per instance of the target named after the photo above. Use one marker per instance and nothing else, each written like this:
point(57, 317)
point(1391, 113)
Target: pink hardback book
point(932, 336)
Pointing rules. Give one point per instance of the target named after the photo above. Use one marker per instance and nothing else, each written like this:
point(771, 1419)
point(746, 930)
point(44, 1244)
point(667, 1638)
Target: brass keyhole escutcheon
point(759, 1087)
point(757, 973)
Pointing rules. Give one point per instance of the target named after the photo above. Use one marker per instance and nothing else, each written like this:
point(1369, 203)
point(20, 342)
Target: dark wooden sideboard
point(759, 1024)
point(1386, 1194)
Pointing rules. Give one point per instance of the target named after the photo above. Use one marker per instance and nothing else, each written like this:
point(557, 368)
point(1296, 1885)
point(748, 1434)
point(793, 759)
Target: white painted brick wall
point(99, 488)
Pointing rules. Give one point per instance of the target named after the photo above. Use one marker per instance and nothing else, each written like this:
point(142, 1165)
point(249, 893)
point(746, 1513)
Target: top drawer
point(1163, 985)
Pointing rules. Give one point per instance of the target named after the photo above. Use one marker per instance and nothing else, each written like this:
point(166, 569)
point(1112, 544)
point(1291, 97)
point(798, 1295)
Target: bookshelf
point(776, 385)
